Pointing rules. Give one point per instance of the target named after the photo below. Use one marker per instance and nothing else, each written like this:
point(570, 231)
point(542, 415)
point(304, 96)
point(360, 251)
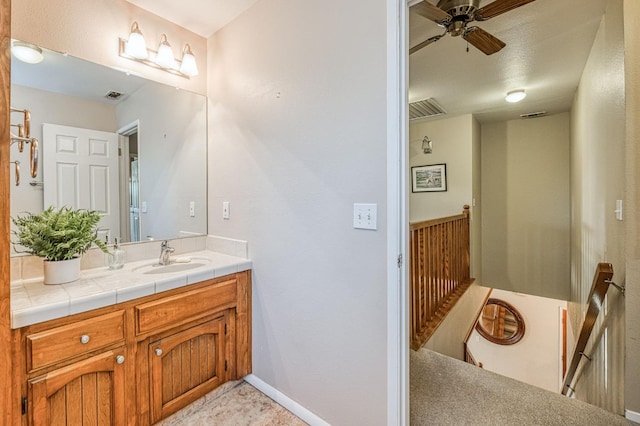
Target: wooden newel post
point(466, 210)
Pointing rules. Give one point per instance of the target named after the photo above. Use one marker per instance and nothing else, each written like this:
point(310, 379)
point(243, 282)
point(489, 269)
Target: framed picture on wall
point(431, 178)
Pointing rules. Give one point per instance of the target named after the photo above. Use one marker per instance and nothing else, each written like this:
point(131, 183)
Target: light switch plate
point(192, 208)
point(225, 210)
point(365, 216)
point(144, 207)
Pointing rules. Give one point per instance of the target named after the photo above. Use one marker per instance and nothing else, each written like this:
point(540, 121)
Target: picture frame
point(429, 178)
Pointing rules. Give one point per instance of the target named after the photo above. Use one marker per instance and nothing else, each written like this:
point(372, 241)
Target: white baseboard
point(632, 415)
point(288, 403)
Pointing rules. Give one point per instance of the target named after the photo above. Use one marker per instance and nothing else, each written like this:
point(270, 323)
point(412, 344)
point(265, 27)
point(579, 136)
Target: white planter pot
point(61, 271)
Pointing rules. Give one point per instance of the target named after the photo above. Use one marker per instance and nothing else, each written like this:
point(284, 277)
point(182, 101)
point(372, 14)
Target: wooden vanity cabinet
point(87, 392)
point(136, 362)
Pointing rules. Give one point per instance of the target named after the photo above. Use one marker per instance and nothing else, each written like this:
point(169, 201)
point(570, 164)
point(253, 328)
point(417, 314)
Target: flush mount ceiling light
point(135, 49)
point(27, 52)
point(515, 96)
point(136, 46)
point(188, 66)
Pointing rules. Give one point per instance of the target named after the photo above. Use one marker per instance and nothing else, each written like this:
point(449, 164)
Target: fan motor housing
point(463, 10)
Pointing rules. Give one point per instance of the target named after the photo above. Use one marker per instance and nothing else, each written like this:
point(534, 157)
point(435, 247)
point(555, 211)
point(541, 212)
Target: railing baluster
point(439, 271)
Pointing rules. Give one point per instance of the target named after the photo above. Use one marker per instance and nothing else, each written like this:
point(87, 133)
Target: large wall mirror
point(133, 149)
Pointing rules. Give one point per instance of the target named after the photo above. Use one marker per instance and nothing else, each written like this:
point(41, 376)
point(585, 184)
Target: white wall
point(452, 144)
point(54, 108)
point(598, 176)
point(297, 133)
point(526, 206)
point(172, 158)
point(536, 358)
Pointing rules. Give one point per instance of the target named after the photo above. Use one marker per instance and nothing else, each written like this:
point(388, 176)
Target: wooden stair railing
point(440, 272)
point(601, 282)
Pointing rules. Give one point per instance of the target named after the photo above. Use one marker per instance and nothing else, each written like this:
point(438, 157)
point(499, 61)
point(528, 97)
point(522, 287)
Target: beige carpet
point(445, 391)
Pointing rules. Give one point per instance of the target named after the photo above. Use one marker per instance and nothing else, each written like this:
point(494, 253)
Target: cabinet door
point(185, 366)
point(86, 392)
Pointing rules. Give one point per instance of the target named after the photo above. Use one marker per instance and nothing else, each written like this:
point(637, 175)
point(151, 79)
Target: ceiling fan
point(456, 15)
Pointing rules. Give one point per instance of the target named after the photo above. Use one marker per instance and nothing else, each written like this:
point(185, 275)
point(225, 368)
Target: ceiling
point(203, 17)
point(548, 42)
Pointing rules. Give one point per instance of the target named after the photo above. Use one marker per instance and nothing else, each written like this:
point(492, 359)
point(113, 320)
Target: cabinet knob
point(120, 359)
point(158, 352)
point(84, 339)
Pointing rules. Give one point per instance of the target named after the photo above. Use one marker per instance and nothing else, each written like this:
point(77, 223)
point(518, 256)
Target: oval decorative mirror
point(500, 323)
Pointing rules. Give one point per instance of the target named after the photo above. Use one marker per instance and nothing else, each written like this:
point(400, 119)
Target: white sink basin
point(172, 267)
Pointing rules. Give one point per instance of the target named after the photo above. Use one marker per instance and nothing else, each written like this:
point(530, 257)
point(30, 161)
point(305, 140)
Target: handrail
point(440, 271)
point(601, 282)
point(468, 356)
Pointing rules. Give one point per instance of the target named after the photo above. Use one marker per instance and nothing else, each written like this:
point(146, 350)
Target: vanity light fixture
point(27, 52)
point(188, 66)
point(515, 96)
point(135, 49)
point(136, 46)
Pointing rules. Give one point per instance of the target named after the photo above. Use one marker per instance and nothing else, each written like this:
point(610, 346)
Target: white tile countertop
point(33, 302)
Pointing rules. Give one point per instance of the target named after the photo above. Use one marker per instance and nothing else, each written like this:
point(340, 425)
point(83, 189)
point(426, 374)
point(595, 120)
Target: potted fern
point(60, 236)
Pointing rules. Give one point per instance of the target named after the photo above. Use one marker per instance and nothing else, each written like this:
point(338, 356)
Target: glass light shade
point(136, 46)
point(165, 57)
point(189, 66)
point(27, 52)
point(515, 96)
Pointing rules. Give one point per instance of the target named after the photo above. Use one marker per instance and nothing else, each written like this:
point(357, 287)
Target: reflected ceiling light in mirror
point(27, 52)
point(136, 46)
point(188, 66)
point(165, 58)
point(515, 96)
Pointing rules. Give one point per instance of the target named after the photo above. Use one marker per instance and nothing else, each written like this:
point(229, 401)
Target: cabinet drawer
point(57, 344)
point(171, 311)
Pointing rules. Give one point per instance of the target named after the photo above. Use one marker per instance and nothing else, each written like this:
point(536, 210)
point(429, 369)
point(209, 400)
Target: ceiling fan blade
point(483, 41)
point(498, 7)
point(425, 43)
point(429, 11)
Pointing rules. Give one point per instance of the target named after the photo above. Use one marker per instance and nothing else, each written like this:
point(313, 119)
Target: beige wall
point(536, 358)
point(598, 164)
point(297, 134)
point(456, 142)
point(448, 339)
point(452, 144)
point(90, 30)
point(525, 206)
point(632, 230)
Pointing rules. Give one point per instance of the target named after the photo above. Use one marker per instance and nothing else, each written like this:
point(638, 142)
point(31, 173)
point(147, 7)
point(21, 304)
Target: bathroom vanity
point(135, 361)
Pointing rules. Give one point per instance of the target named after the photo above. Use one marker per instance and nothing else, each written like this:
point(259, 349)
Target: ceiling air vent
point(113, 95)
point(425, 108)
point(534, 114)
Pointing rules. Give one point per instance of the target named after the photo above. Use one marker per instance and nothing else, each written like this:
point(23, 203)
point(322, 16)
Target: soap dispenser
point(116, 256)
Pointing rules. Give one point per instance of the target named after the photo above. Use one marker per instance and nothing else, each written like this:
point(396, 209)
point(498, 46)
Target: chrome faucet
point(165, 253)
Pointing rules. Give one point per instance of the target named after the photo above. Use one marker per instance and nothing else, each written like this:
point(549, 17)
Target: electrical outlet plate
point(192, 208)
point(365, 216)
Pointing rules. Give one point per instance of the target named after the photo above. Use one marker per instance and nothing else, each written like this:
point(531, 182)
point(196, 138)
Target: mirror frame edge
point(519, 319)
point(6, 398)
